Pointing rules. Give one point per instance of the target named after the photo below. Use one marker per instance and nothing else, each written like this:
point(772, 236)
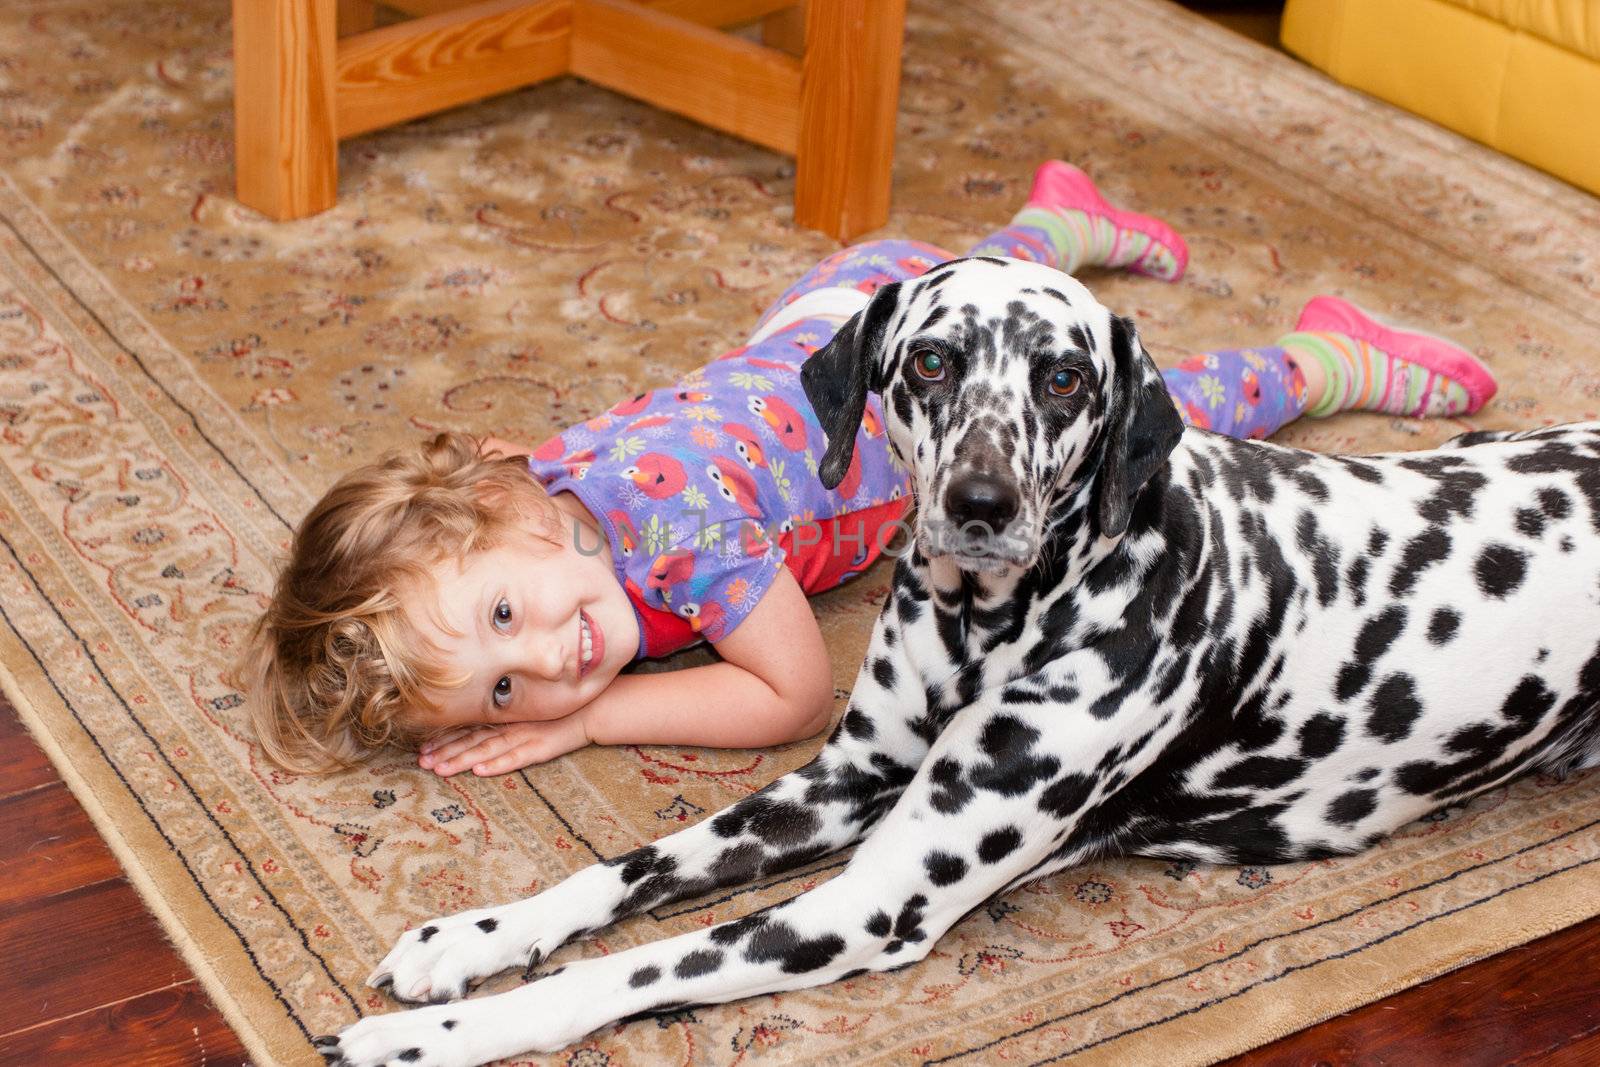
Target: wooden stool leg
point(849, 94)
point(286, 150)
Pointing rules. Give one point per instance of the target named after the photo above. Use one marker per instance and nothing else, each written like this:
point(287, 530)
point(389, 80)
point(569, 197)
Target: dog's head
point(1006, 388)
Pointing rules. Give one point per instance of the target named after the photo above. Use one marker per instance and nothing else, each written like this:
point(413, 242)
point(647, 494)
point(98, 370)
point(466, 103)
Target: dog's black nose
point(981, 498)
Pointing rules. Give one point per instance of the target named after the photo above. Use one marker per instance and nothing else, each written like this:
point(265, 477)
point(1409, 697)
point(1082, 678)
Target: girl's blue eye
point(928, 365)
point(1064, 383)
point(502, 691)
point(502, 615)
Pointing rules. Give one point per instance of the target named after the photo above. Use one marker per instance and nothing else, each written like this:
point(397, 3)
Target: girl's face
point(540, 629)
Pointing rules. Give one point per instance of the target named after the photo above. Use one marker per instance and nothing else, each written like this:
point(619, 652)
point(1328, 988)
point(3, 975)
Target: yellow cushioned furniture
point(1522, 76)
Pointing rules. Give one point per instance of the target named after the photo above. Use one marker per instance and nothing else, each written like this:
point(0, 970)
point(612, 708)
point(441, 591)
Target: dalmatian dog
point(1111, 635)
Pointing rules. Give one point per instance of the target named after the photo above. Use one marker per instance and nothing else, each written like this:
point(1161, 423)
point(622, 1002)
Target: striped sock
point(1362, 377)
point(1066, 238)
point(1067, 224)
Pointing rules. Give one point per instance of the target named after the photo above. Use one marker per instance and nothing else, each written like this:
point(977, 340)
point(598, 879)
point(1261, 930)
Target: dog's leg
point(814, 811)
point(991, 803)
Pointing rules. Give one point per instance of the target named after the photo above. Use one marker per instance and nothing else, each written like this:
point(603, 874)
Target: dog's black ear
point(839, 375)
point(1143, 428)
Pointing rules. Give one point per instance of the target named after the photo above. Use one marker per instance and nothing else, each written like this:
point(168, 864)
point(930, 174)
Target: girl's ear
point(838, 377)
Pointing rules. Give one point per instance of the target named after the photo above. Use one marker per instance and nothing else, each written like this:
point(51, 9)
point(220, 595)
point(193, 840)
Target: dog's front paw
point(439, 960)
point(427, 1037)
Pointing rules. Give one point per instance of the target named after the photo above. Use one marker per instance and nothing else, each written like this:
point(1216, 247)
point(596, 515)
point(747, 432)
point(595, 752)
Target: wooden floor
point(87, 978)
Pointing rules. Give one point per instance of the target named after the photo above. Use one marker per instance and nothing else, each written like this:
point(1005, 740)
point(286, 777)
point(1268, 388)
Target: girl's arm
point(774, 685)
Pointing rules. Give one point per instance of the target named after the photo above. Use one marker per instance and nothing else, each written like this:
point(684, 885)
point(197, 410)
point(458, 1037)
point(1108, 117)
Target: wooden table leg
point(849, 95)
point(286, 150)
point(357, 16)
point(786, 30)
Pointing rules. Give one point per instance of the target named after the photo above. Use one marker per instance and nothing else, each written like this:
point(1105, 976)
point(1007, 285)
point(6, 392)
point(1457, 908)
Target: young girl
point(445, 597)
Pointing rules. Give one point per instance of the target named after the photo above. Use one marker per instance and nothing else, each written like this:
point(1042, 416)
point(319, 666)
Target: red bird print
point(1252, 388)
point(551, 449)
point(770, 364)
point(577, 464)
point(634, 406)
point(692, 396)
point(784, 420)
point(754, 539)
point(746, 444)
point(735, 484)
point(660, 476)
point(670, 569)
point(647, 422)
point(708, 620)
point(626, 534)
point(852, 475)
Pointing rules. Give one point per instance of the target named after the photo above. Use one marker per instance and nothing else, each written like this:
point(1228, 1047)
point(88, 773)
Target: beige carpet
point(179, 378)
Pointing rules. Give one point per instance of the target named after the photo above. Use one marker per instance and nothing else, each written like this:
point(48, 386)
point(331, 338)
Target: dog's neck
point(987, 606)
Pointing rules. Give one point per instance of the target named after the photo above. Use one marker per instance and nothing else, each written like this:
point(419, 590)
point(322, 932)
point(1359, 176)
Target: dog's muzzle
point(977, 523)
point(981, 499)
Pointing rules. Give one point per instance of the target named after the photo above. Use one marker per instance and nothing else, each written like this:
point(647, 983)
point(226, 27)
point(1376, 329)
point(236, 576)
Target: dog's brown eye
point(1064, 383)
point(928, 365)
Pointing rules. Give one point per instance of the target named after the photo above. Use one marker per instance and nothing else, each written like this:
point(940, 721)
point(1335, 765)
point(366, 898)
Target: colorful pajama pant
point(1246, 392)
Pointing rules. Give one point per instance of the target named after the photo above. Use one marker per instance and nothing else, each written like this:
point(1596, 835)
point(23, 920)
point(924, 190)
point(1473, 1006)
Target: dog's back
point(1373, 637)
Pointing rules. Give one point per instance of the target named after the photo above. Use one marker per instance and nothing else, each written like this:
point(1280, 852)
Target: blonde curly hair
point(333, 663)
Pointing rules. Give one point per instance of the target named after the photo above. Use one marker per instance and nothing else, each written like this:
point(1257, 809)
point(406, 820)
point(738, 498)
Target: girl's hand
point(503, 747)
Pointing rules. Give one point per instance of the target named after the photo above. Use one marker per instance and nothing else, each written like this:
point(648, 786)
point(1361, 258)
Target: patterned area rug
point(179, 378)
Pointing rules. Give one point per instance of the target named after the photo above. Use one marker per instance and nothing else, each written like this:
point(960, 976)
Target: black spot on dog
point(1393, 709)
point(488, 926)
point(859, 726)
point(737, 864)
point(699, 962)
point(1356, 469)
point(943, 868)
point(1455, 491)
point(1420, 553)
point(1530, 522)
point(908, 924)
point(449, 1024)
point(883, 672)
point(1320, 736)
point(782, 822)
point(1380, 631)
point(949, 792)
point(1355, 579)
point(1066, 795)
point(1260, 772)
point(1556, 504)
point(879, 925)
point(1366, 774)
point(426, 933)
point(780, 943)
point(1352, 807)
point(1442, 627)
point(1500, 570)
point(1324, 557)
point(410, 1055)
point(998, 844)
point(644, 976)
point(1012, 769)
point(1353, 677)
point(732, 933)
